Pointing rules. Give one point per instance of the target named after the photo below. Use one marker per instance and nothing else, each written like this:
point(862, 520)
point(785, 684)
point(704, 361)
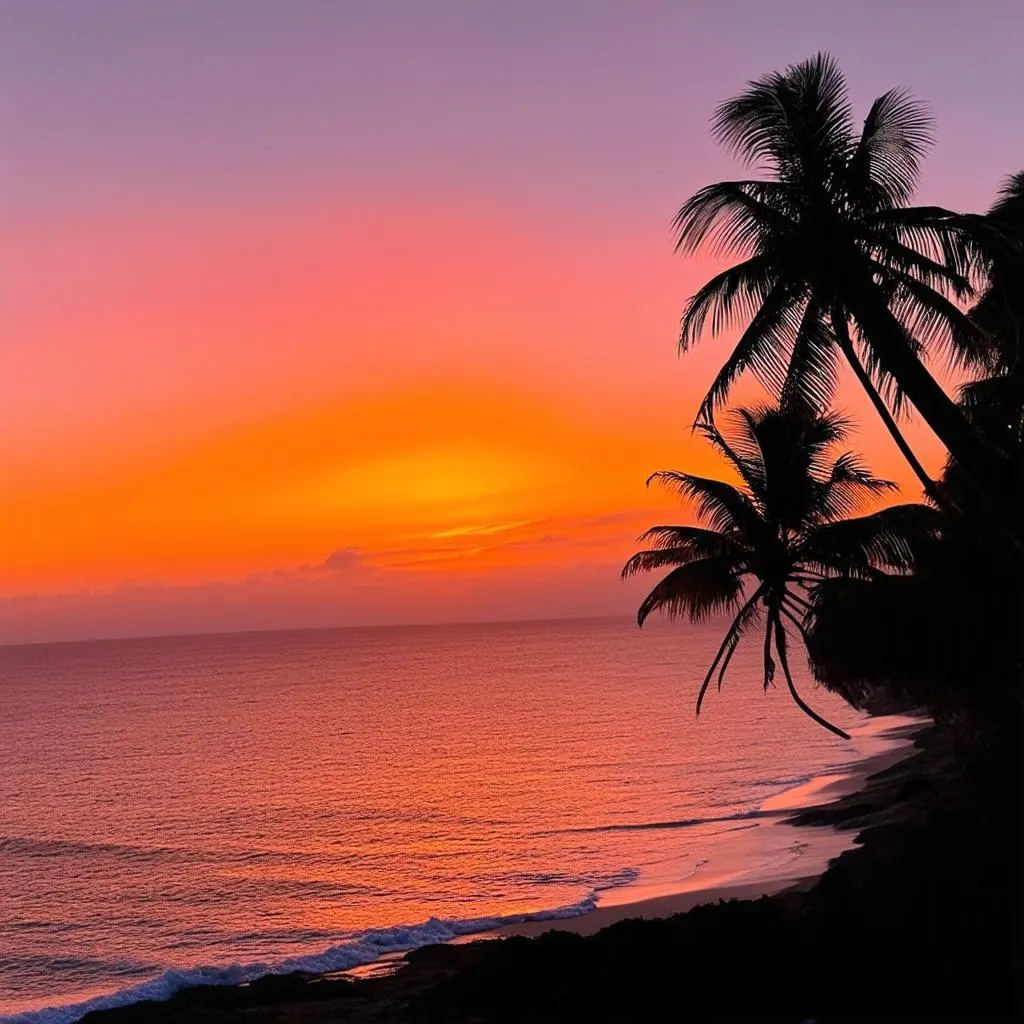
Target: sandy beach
point(827, 844)
point(657, 907)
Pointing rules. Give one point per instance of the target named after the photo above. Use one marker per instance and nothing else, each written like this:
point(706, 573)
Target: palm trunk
point(846, 347)
point(991, 474)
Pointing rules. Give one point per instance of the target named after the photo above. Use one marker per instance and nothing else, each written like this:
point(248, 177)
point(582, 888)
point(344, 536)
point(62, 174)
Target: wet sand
point(658, 906)
point(818, 793)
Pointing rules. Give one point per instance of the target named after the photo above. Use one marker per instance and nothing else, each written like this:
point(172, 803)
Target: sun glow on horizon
point(437, 477)
point(451, 481)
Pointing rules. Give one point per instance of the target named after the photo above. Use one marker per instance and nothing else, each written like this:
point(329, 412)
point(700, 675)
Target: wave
point(24, 846)
point(644, 826)
point(363, 948)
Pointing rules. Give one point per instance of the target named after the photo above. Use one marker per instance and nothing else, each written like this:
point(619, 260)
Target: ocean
point(208, 808)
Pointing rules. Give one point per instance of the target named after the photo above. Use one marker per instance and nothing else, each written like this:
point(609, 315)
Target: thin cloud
point(480, 531)
point(344, 560)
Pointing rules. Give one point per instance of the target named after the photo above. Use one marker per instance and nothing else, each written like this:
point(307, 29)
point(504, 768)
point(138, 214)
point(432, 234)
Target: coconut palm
point(995, 403)
point(834, 261)
point(765, 544)
point(1000, 310)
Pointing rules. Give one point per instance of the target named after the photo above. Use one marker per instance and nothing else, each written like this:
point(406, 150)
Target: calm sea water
point(172, 807)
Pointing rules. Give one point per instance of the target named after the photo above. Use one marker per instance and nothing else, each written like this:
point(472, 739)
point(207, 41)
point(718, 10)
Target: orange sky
point(207, 399)
point(278, 350)
point(245, 397)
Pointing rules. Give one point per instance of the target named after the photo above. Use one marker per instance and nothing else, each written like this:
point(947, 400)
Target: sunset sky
point(320, 313)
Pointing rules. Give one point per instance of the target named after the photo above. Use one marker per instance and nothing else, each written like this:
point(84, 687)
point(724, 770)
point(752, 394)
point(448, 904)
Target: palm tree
point(995, 403)
point(833, 259)
point(766, 544)
point(1000, 310)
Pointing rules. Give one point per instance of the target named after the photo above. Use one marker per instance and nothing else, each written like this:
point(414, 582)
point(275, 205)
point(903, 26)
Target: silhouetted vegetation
point(914, 604)
point(769, 543)
point(949, 637)
point(836, 263)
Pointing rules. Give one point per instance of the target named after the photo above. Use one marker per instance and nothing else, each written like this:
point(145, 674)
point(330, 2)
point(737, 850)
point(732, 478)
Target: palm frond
point(999, 315)
point(930, 270)
point(995, 406)
point(678, 545)
point(897, 133)
point(780, 646)
point(719, 505)
point(732, 216)
point(731, 297)
point(697, 590)
point(999, 396)
point(704, 542)
point(1008, 209)
point(999, 312)
point(761, 349)
point(747, 463)
point(936, 322)
point(954, 240)
point(745, 617)
point(795, 122)
point(657, 558)
point(850, 470)
point(889, 539)
point(849, 486)
point(813, 372)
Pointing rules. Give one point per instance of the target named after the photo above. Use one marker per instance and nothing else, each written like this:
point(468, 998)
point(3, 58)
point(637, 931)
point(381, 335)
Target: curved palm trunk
point(780, 646)
point(842, 333)
point(989, 471)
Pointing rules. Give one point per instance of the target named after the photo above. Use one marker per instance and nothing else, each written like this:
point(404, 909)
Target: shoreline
point(884, 808)
point(794, 809)
point(791, 805)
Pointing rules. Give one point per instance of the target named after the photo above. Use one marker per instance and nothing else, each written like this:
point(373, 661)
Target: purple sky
point(602, 106)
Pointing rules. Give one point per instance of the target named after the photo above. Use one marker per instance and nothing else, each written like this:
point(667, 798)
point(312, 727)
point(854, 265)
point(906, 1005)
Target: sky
point(319, 313)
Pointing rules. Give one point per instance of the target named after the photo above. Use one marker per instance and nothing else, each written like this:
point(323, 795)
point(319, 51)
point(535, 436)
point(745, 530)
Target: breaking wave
point(362, 948)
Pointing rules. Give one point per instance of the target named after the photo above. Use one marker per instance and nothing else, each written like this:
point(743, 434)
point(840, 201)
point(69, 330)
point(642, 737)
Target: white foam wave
point(363, 949)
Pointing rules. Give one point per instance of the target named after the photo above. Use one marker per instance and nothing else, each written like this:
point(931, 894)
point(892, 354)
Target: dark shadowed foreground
point(922, 922)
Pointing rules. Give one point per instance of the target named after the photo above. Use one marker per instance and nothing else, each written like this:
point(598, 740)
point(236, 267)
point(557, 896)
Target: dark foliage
point(995, 402)
point(832, 258)
point(950, 638)
point(765, 544)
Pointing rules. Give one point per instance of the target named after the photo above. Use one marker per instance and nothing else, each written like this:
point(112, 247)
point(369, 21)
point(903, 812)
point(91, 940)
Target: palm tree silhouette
point(832, 253)
point(764, 545)
point(1000, 310)
point(995, 403)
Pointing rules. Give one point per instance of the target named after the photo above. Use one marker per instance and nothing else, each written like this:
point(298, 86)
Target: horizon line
point(316, 629)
